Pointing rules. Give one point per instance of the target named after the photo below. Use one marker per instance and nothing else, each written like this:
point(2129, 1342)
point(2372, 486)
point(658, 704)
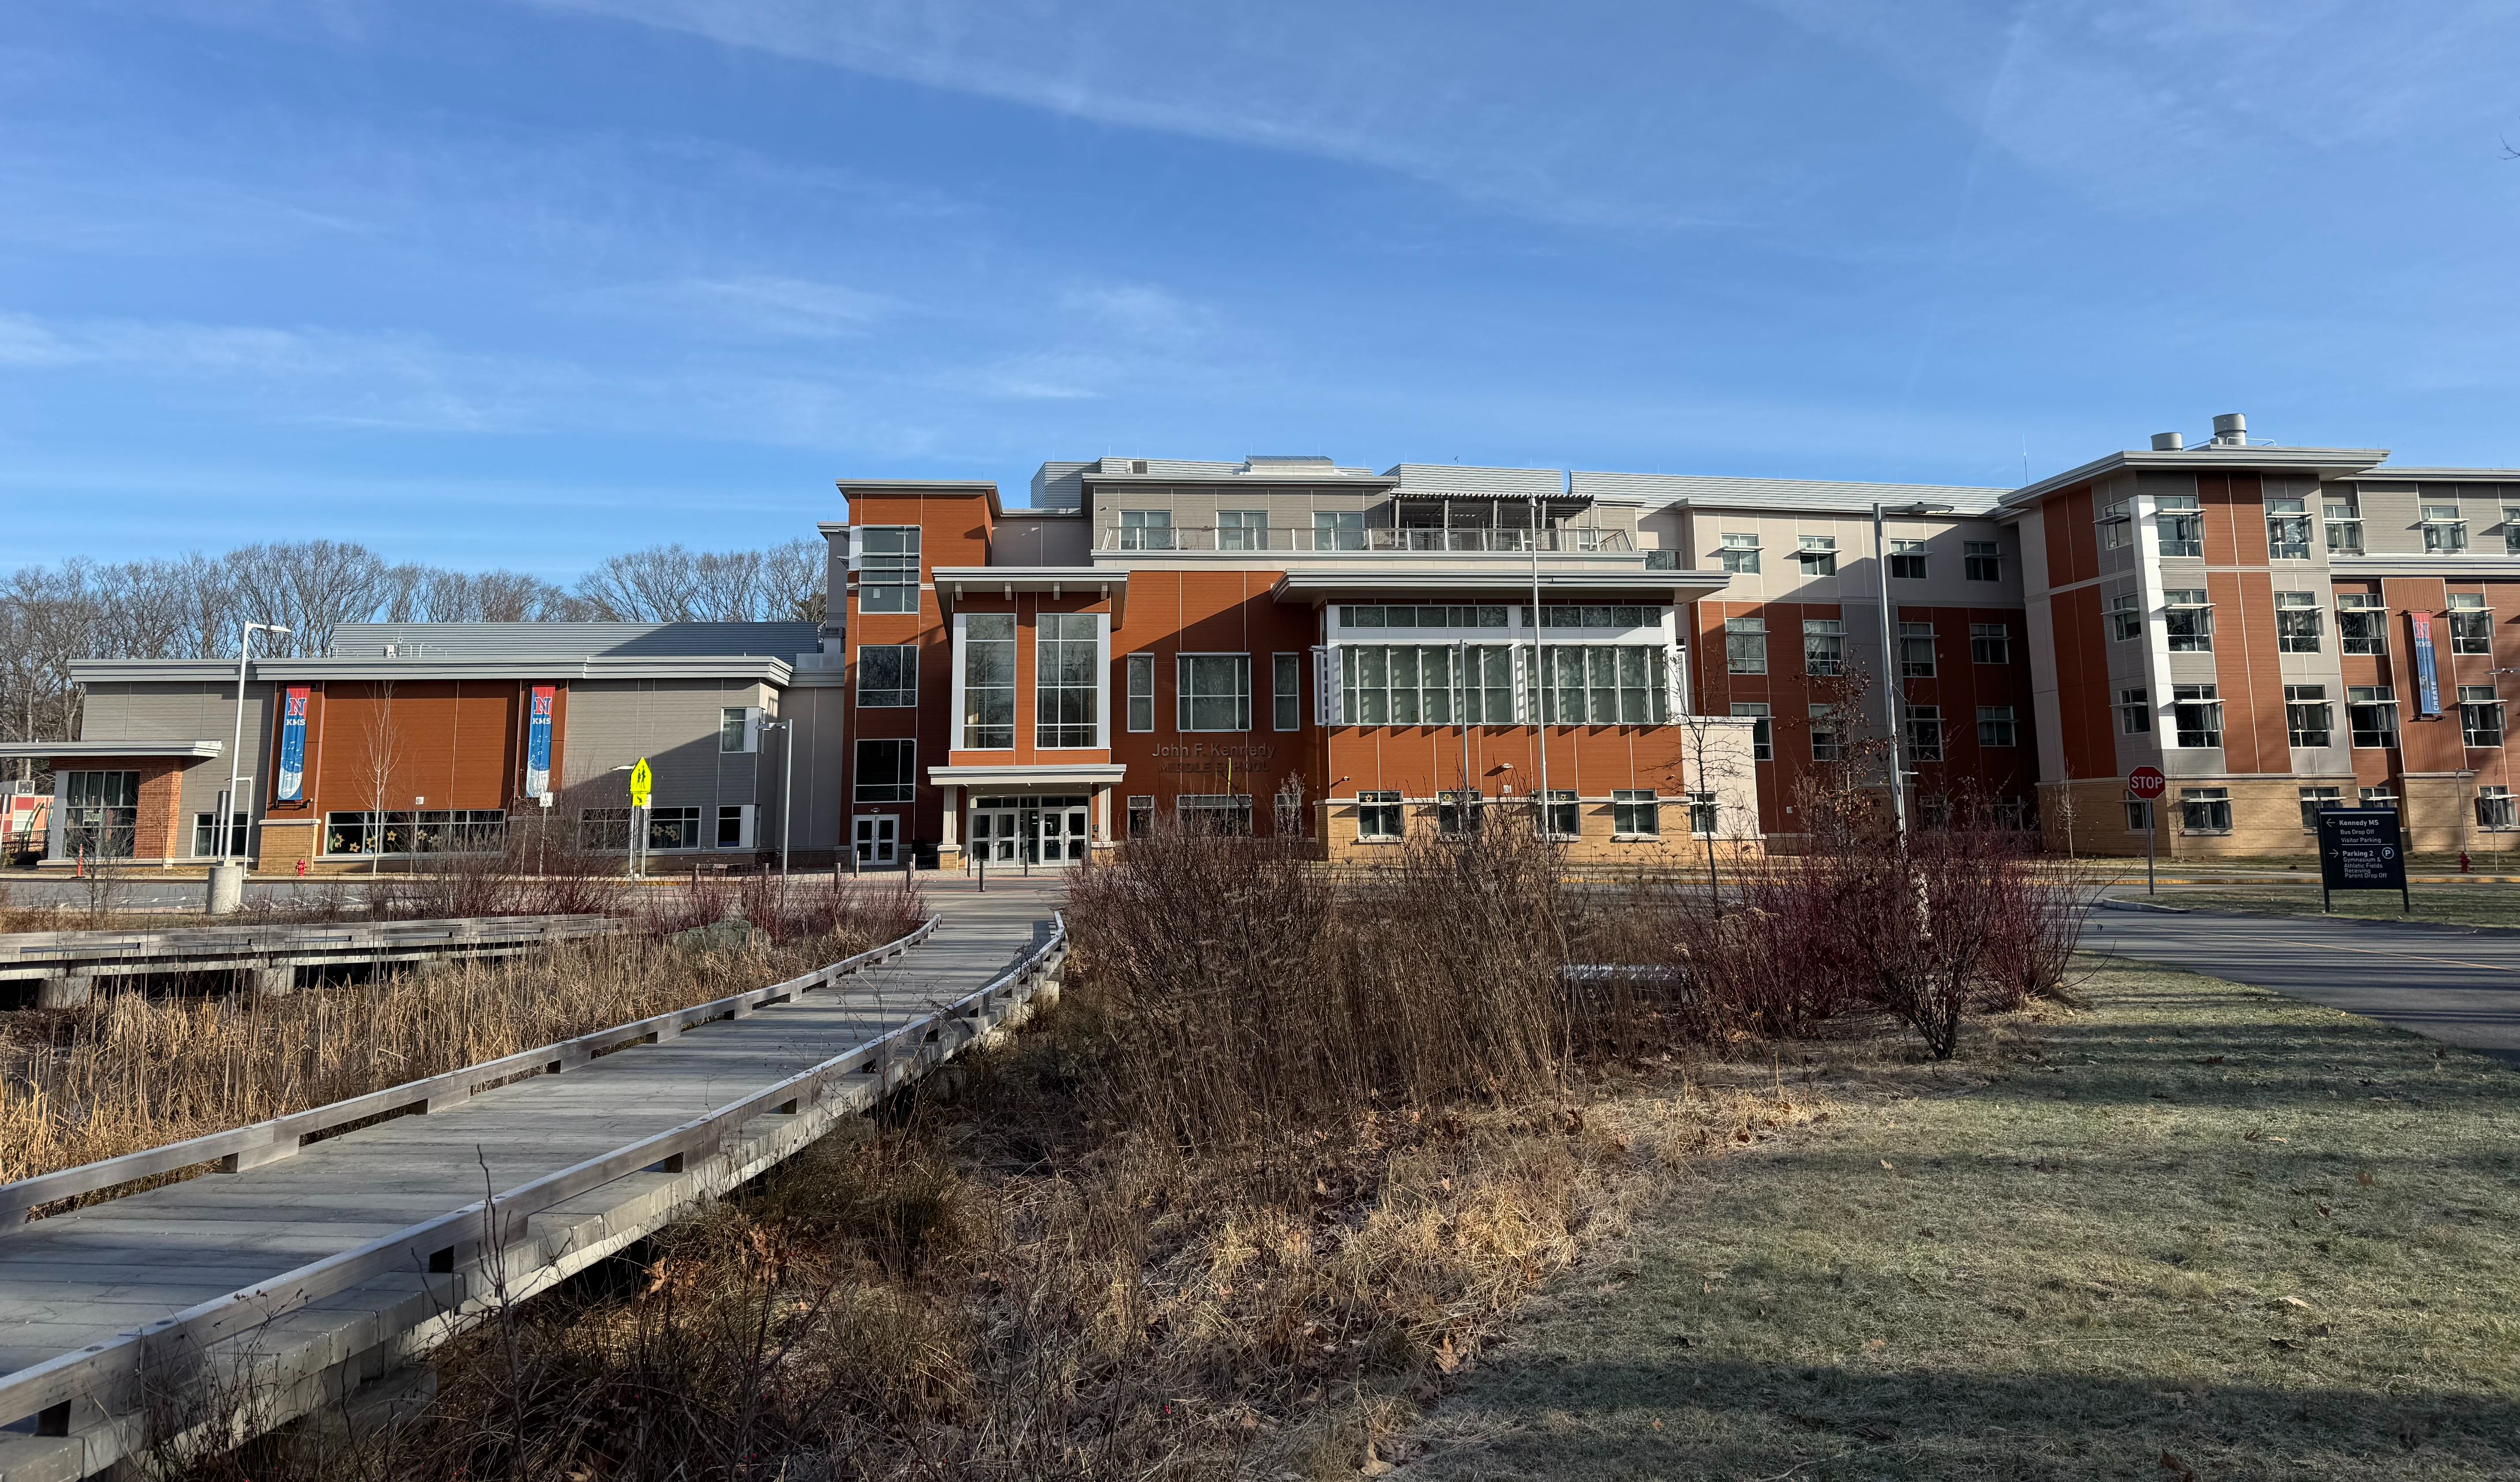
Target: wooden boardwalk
point(90, 1277)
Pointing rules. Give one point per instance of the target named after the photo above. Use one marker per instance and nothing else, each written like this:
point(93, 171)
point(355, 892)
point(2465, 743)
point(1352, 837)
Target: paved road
point(2458, 985)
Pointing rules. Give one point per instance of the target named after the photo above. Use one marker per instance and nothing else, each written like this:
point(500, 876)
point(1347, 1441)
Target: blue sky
point(522, 284)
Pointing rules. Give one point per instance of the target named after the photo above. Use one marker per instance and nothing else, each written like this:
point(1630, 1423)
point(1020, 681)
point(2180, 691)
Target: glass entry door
point(1030, 830)
point(1065, 839)
point(997, 833)
point(878, 838)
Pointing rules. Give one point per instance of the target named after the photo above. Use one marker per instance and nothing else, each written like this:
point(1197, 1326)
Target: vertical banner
point(292, 746)
point(538, 745)
point(2427, 675)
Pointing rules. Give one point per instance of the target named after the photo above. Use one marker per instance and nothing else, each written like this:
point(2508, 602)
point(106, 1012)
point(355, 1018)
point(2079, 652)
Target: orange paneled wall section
point(459, 743)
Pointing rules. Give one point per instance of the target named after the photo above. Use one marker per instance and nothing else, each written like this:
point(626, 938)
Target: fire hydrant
point(2462, 862)
point(302, 870)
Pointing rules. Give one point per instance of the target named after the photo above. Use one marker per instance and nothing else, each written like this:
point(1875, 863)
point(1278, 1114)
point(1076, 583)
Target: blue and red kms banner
point(292, 746)
point(538, 745)
point(2427, 674)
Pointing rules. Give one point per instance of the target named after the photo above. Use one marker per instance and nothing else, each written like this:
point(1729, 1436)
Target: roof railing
point(1430, 540)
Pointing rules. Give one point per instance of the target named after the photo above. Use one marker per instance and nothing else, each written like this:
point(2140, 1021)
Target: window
point(1410, 685)
point(2372, 715)
point(885, 774)
point(1982, 560)
point(2196, 715)
point(1995, 725)
point(735, 826)
point(1703, 814)
point(1141, 815)
point(1214, 691)
point(2188, 618)
point(1634, 814)
point(887, 676)
point(2287, 530)
point(1286, 692)
point(2378, 797)
point(1462, 617)
point(1745, 645)
point(1989, 644)
point(1287, 816)
point(99, 812)
point(2479, 715)
point(1569, 615)
point(206, 836)
point(1824, 647)
point(599, 830)
point(674, 828)
point(1456, 813)
point(2297, 622)
point(2495, 810)
point(887, 568)
point(2116, 525)
point(1377, 815)
point(1819, 555)
point(1740, 552)
point(735, 729)
point(1827, 738)
point(2510, 530)
point(1145, 529)
point(1339, 529)
point(2135, 711)
point(2126, 618)
point(2180, 522)
point(1925, 733)
point(1763, 738)
point(2472, 627)
point(1565, 815)
point(2361, 623)
point(2308, 716)
point(2314, 802)
point(2205, 810)
point(2139, 814)
point(989, 681)
point(1067, 671)
point(2344, 529)
point(1242, 530)
point(1215, 812)
point(1142, 690)
point(1606, 685)
point(2444, 531)
point(1916, 650)
point(1908, 560)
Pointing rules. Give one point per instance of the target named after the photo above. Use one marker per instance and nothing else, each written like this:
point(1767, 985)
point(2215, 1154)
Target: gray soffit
point(1783, 495)
point(2325, 461)
point(459, 643)
point(281, 672)
point(79, 750)
point(2385, 474)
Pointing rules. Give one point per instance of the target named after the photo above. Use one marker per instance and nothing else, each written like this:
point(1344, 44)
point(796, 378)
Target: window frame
point(2301, 622)
point(2381, 700)
point(1631, 807)
point(1060, 732)
point(2187, 626)
point(1286, 692)
point(1248, 530)
point(1763, 735)
point(2126, 618)
point(2289, 529)
point(1982, 560)
point(1142, 529)
point(2367, 610)
point(2315, 800)
point(2470, 622)
point(901, 566)
point(1186, 699)
point(1906, 559)
point(1381, 806)
point(1738, 551)
point(2473, 707)
point(2196, 710)
point(2444, 533)
point(2342, 525)
point(2309, 703)
point(1138, 675)
point(2135, 711)
point(2179, 524)
point(2006, 727)
point(903, 785)
point(1923, 745)
point(2216, 803)
point(1991, 643)
point(2496, 810)
point(1745, 645)
point(1910, 635)
point(904, 657)
point(1832, 632)
point(1818, 555)
point(974, 732)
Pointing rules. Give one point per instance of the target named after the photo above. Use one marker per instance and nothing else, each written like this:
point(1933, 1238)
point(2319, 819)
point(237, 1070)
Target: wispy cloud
point(761, 305)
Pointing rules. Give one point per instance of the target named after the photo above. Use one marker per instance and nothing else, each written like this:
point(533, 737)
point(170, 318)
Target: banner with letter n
point(538, 743)
point(2427, 668)
point(292, 746)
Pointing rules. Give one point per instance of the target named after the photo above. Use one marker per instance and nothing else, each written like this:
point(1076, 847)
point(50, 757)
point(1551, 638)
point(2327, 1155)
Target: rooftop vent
point(2231, 430)
point(1283, 459)
point(2168, 442)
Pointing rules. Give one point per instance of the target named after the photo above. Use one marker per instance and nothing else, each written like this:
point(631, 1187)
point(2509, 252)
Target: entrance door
point(996, 835)
point(876, 837)
point(1063, 836)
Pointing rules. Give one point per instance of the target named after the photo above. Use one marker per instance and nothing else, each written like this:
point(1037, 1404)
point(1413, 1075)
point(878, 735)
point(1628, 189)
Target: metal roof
point(1431, 480)
point(459, 643)
point(200, 750)
point(1820, 495)
point(2386, 473)
point(2350, 462)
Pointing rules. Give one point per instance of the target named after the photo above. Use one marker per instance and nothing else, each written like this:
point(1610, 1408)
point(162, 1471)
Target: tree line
point(192, 606)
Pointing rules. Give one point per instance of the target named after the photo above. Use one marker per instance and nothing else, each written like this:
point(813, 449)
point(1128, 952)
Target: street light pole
point(786, 730)
point(228, 852)
point(1894, 691)
point(1538, 687)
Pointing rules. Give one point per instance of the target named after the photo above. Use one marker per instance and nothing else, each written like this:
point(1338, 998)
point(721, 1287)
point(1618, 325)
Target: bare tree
point(383, 762)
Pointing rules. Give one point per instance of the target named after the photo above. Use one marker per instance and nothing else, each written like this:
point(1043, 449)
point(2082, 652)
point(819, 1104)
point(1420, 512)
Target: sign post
point(2360, 849)
point(642, 784)
point(2147, 784)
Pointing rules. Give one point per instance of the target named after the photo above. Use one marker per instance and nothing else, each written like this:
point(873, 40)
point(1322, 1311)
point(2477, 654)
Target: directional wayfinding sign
point(2361, 849)
point(641, 782)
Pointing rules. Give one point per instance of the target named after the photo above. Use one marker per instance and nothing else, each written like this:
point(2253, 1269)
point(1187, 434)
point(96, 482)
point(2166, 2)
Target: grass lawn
point(2193, 1231)
point(2449, 905)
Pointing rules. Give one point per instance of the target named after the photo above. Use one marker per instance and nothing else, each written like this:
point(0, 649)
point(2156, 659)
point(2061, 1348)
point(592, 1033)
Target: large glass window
point(2308, 716)
point(206, 836)
point(1413, 684)
point(2479, 715)
point(1145, 529)
point(2205, 810)
point(434, 830)
point(2372, 715)
point(1636, 813)
point(1824, 647)
point(1215, 693)
point(1286, 692)
point(2297, 622)
point(2361, 623)
point(1916, 650)
point(2344, 529)
point(888, 568)
point(1067, 697)
point(989, 681)
point(674, 828)
point(2444, 531)
point(1604, 685)
point(2188, 618)
point(1983, 560)
point(2472, 627)
point(1745, 645)
point(1908, 560)
point(2196, 715)
point(2287, 530)
point(1140, 670)
point(1763, 735)
point(888, 675)
point(1740, 552)
point(1925, 733)
point(1989, 644)
point(887, 771)
point(99, 812)
point(1378, 815)
point(1339, 529)
point(2178, 520)
point(1242, 530)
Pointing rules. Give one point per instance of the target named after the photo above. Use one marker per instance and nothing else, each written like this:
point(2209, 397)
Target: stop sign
point(2146, 781)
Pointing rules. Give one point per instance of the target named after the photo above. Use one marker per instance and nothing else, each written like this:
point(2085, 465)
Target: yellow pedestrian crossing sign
point(640, 781)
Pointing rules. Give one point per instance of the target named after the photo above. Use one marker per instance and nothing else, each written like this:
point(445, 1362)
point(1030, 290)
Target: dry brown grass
point(130, 1071)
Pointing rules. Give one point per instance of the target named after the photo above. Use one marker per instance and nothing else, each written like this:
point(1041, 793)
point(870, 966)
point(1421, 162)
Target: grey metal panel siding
point(1060, 541)
point(184, 711)
point(1781, 494)
point(1058, 485)
point(1457, 479)
point(574, 640)
point(674, 725)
